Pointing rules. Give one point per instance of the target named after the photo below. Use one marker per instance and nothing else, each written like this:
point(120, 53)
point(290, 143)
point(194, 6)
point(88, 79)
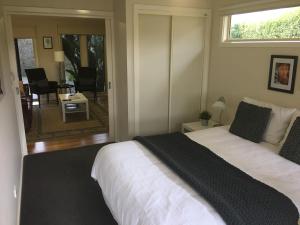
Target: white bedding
point(141, 190)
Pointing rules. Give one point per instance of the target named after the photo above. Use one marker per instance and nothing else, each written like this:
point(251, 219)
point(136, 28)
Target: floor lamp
point(59, 57)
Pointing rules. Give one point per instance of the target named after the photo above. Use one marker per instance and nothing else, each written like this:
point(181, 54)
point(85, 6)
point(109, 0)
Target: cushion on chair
point(35, 74)
point(39, 83)
point(42, 83)
point(86, 80)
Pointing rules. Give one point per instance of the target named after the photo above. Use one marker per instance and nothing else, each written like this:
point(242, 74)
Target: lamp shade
point(59, 56)
point(220, 104)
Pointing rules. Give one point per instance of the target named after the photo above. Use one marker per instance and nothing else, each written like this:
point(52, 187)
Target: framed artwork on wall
point(47, 42)
point(282, 73)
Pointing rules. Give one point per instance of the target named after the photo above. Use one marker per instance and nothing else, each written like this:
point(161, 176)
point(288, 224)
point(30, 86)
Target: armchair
point(86, 80)
point(40, 85)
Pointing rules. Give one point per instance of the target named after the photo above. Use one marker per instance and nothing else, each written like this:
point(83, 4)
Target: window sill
point(261, 44)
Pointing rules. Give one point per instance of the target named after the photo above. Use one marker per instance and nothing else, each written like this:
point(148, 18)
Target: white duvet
point(140, 190)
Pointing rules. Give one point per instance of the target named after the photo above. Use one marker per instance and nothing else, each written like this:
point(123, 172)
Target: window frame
point(227, 42)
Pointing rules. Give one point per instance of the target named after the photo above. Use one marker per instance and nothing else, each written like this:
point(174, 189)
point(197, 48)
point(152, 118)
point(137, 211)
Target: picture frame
point(282, 74)
point(47, 42)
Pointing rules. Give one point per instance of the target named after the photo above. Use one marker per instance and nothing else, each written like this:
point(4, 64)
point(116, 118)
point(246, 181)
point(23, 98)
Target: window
point(71, 48)
point(271, 25)
point(95, 48)
point(87, 49)
point(25, 57)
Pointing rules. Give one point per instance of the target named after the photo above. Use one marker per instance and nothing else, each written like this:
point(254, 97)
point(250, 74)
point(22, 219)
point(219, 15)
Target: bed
point(141, 190)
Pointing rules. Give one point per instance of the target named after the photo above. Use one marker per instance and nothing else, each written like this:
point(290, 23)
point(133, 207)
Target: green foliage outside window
point(95, 45)
point(95, 51)
point(71, 48)
point(286, 26)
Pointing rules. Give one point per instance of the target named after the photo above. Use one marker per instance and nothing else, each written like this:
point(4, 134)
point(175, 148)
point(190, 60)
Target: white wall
point(236, 72)
point(10, 150)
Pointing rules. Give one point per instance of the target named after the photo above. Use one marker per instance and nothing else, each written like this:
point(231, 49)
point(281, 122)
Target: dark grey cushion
point(291, 147)
point(250, 122)
point(42, 83)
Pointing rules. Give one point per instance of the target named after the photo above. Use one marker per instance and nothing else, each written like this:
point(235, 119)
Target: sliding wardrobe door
point(186, 73)
point(153, 74)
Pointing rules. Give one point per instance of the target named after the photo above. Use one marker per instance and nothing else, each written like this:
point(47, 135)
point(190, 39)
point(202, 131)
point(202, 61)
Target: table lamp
point(220, 105)
point(59, 56)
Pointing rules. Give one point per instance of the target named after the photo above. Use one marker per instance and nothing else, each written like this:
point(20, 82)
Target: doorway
point(106, 66)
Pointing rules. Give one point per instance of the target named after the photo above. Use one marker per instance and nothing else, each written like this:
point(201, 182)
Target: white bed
point(140, 190)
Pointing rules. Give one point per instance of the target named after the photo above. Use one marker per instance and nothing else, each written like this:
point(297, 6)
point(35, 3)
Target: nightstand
point(189, 127)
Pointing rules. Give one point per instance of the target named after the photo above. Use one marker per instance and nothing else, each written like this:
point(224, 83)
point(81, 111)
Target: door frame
point(9, 11)
point(168, 11)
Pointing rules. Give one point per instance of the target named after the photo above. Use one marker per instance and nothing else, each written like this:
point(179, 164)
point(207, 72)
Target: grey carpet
point(58, 189)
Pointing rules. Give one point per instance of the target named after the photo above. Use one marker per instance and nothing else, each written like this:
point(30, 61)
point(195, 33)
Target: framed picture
point(47, 41)
point(283, 73)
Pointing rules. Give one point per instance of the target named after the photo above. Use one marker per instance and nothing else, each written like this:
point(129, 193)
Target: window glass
point(95, 45)
point(26, 57)
point(71, 48)
point(278, 24)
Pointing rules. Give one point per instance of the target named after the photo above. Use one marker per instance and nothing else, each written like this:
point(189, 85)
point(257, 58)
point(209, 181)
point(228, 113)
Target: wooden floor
point(66, 143)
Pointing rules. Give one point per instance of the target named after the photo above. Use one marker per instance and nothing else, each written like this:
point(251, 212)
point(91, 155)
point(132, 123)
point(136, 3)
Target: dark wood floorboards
point(66, 143)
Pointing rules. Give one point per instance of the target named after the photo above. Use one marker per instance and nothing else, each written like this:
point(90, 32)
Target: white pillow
point(294, 117)
point(279, 121)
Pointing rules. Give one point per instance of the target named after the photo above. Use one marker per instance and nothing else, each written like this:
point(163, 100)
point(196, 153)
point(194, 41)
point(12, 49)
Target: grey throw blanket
point(237, 197)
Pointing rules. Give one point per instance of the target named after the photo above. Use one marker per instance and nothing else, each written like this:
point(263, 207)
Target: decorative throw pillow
point(294, 117)
point(250, 122)
point(291, 147)
point(279, 120)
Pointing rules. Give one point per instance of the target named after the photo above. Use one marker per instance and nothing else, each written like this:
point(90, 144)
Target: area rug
point(48, 124)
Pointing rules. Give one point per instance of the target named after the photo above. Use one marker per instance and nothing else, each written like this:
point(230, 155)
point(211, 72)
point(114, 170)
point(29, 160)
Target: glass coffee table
point(74, 103)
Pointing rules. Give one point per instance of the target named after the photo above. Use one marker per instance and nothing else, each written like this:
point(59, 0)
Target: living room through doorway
point(44, 79)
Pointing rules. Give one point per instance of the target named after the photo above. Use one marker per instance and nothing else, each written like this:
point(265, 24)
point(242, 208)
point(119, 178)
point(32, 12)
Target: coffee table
point(74, 103)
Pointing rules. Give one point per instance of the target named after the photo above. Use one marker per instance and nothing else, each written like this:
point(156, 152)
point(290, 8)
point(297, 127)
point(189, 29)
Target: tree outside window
point(266, 25)
point(71, 48)
point(95, 45)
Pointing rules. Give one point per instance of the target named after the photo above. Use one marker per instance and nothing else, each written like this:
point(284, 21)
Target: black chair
point(40, 85)
point(86, 80)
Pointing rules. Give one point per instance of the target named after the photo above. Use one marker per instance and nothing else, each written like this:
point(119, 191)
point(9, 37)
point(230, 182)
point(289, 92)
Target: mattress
point(140, 190)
